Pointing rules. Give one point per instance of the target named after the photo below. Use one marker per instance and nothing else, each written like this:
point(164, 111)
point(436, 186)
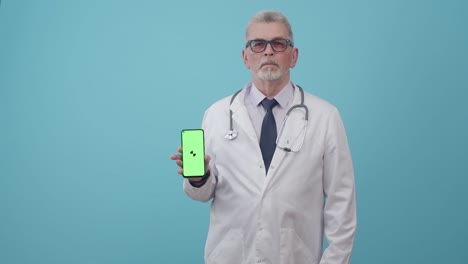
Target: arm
point(202, 188)
point(203, 191)
point(198, 188)
point(340, 207)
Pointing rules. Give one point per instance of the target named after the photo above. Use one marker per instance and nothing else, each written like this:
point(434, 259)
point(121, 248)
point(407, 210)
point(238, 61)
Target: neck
point(271, 88)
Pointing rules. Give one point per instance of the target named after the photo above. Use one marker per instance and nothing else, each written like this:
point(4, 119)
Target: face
point(269, 65)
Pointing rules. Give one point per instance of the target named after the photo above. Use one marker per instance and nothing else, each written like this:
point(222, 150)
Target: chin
point(269, 75)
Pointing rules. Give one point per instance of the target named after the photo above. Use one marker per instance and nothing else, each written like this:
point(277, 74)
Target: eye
point(258, 43)
point(279, 44)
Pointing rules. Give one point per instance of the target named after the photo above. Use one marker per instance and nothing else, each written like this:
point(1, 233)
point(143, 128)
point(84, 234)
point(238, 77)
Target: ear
point(294, 57)
point(245, 58)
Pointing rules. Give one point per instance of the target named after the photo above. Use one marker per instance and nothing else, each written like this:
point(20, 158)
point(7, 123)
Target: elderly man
point(282, 176)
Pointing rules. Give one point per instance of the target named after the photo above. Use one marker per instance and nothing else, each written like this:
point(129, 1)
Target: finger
point(179, 162)
point(175, 157)
point(179, 149)
point(180, 171)
point(207, 162)
point(207, 158)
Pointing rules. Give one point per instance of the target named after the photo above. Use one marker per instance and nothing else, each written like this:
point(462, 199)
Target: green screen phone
point(193, 152)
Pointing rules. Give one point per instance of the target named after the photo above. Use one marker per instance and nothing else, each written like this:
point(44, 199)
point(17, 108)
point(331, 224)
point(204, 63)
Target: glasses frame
point(288, 41)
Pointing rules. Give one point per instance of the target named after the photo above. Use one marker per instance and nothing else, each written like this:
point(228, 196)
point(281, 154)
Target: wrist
point(202, 181)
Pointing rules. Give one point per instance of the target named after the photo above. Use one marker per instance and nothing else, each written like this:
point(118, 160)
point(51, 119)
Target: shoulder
point(316, 103)
point(220, 105)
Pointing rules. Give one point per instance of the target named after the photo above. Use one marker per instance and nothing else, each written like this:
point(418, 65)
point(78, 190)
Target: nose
point(268, 50)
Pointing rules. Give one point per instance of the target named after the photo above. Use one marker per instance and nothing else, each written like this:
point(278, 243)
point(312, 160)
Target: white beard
point(269, 74)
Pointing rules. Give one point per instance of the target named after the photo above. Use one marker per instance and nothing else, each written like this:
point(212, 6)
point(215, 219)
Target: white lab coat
point(278, 218)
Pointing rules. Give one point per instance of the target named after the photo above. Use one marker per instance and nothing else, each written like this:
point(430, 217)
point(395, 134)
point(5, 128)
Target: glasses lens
point(279, 44)
point(258, 45)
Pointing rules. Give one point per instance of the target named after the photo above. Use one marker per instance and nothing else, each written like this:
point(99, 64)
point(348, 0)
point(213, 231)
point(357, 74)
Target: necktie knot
point(268, 104)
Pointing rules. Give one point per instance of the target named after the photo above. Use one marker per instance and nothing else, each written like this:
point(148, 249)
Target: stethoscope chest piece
point(231, 134)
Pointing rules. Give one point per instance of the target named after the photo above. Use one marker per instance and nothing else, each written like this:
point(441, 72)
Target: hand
point(178, 159)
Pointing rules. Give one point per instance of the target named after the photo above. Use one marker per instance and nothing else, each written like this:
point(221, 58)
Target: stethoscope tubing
point(232, 133)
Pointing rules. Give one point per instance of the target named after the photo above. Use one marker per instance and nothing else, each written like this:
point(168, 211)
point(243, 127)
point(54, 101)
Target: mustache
point(269, 61)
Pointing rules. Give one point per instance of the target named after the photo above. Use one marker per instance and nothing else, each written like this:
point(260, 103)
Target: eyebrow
point(268, 39)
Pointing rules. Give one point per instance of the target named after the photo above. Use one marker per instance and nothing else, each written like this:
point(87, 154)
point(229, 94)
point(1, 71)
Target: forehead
point(267, 31)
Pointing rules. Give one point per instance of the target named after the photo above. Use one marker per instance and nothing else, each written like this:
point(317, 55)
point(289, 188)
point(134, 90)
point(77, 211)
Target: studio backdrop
point(93, 95)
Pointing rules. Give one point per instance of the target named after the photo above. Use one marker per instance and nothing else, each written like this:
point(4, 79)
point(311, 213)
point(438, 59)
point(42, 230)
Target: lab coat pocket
point(293, 250)
point(230, 249)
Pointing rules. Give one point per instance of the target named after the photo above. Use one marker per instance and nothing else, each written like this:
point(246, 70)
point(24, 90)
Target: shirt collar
point(283, 97)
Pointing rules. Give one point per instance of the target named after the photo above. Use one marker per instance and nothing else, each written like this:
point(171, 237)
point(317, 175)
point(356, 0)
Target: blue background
point(93, 95)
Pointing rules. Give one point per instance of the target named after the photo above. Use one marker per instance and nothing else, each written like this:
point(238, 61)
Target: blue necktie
point(268, 134)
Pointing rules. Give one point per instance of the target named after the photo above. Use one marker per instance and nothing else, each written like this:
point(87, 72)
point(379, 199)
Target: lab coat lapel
point(248, 137)
point(280, 154)
point(244, 125)
point(241, 116)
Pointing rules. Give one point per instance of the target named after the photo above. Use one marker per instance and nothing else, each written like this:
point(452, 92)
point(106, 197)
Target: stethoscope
point(232, 133)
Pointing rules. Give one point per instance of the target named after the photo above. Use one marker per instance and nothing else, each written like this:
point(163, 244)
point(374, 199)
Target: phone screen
point(193, 152)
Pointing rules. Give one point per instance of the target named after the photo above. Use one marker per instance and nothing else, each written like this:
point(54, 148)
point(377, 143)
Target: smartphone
point(193, 152)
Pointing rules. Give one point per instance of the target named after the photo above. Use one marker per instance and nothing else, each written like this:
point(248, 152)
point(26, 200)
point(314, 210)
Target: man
point(275, 189)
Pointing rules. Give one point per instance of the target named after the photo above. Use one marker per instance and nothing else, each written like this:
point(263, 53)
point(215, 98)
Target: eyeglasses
point(277, 44)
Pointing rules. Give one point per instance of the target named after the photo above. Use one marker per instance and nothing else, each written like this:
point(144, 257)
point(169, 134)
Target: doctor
point(276, 187)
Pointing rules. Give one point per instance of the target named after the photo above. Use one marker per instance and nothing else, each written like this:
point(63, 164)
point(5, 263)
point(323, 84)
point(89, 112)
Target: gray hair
point(270, 16)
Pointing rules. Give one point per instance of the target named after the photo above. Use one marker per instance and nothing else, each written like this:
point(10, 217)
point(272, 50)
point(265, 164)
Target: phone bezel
point(203, 149)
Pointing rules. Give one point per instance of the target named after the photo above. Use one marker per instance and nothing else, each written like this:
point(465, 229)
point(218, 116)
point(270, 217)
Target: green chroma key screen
point(193, 152)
